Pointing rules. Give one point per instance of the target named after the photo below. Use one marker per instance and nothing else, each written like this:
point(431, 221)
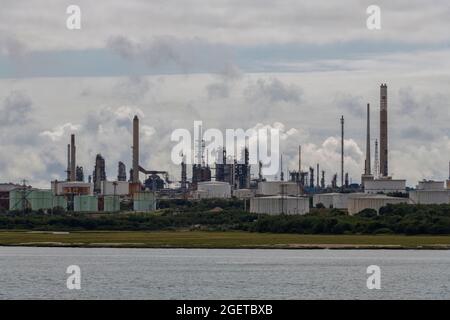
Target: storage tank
point(40, 199)
point(18, 200)
point(214, 189)
point(430, 196)
point(243, 193)
point(60, 201)
point(144, 201)
point(359, 203)
point(85, 203)
point(272, 188)
point(111, 203)
point(274, 205)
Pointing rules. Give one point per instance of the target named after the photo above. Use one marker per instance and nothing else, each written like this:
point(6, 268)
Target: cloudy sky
point(296, 65)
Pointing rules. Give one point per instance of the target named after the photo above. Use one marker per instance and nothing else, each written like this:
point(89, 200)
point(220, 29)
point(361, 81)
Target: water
point(40, 273)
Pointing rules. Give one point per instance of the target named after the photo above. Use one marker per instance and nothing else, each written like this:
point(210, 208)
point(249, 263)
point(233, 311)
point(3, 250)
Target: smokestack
point(72, 158)
point(368, 169)
point(135, 177)
point(299, 159)
point(342, 151)
point(68, 162)
point(318, 176)
point(383, 132)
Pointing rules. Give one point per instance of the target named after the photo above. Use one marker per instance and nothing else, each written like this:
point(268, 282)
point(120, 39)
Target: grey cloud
point(274, 91)
point(407, 100)
point(16, 109)
point(218, 90)
point(417, 133)
point(167, 51)
point(353, 104)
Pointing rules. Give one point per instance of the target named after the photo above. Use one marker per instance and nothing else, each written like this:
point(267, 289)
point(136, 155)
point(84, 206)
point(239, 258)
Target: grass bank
point(230, 239)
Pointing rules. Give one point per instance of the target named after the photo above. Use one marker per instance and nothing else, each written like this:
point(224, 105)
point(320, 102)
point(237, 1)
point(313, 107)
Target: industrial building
point(72, 188)
point(111, 188)
point(385, 186)
point(374, 201)
point(274, 205)
point(5, 189)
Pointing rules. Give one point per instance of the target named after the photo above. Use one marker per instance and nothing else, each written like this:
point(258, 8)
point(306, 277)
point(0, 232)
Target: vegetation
point(224, 215)
point(231, 239)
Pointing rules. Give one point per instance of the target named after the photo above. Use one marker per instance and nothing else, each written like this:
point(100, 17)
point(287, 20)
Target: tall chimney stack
point(135, 177)
point(299, 159)
point(342, 151)
point(368, 169)
point(68, 162)
point(383, 132)
point(73, 176)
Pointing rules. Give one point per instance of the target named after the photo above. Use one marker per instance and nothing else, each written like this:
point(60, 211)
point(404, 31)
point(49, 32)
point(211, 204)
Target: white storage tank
point(430, 196)
point(279, 204)
point(213, 189)
point(331, 200)
point(243, 193)
point(272, 188)
point(358, 203)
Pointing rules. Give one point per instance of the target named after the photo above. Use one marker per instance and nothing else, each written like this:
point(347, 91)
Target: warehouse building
point(358, 203)
point(274, 205)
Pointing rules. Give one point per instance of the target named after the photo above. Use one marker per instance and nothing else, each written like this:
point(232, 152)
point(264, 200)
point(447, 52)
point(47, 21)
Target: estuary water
point(40, 273)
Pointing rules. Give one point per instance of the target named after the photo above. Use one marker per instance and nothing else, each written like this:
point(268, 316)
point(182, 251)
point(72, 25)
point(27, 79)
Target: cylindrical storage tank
point(111, 203)
point(429, 196)
point(18, 200)
point(272, 188)
point(85, 203)
point(144, 201)
point(357, 204)
point(40, 199)
point(279, 205)
point(60, 201)
point(214, 189)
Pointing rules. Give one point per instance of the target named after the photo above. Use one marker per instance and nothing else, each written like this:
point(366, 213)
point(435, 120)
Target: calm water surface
point(40, 273)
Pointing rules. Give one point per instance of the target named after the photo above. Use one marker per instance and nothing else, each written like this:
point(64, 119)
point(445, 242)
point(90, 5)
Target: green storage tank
point(144, 201)
point(18, 199)
point(40, 199)
point(60, 201)
point(85, 203)
point(111, 203)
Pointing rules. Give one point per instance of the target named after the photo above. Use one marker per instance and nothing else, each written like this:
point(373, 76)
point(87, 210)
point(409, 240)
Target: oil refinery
point(229, 177)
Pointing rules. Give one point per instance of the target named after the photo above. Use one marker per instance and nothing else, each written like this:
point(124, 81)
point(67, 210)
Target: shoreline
point(183, 239)
point(282, 247)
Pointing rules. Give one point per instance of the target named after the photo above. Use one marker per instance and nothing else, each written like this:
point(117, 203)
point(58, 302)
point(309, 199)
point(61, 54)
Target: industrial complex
point(139, 189)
